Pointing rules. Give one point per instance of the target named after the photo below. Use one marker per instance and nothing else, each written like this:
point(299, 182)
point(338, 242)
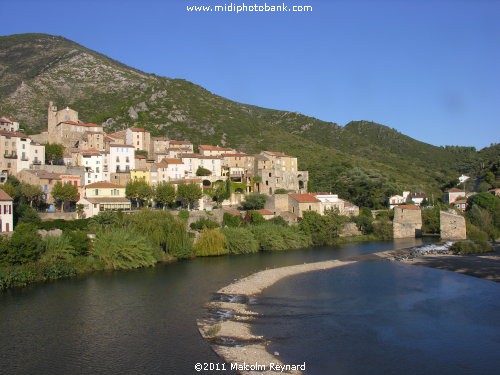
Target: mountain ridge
point(36, 68)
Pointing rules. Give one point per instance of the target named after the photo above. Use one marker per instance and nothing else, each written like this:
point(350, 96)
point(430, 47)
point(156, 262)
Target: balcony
point(24, 158)
point(12, 155)
point(37, 162)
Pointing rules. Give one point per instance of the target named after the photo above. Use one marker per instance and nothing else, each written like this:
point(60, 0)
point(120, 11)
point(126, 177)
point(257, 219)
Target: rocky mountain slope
point(36, 68)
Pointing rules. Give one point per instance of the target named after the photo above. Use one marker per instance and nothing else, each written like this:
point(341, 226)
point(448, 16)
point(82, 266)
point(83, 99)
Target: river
point(133, 322)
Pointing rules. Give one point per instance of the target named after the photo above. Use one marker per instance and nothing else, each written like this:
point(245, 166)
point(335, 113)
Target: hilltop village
point(101, 165)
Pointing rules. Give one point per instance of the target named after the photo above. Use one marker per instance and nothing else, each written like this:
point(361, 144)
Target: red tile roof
point(173, 142)
point(13, 134)
point(89, 125)
point(4, 196)
point(103, 185)
point(238, 154)
point(274, 153)
point(265, 212)
point(305, 198)
point(214, 148)
point(408, 207)
point(137, 156)
point(172, 161)
point(137, 130)
point(455, 190)
point(119, 145)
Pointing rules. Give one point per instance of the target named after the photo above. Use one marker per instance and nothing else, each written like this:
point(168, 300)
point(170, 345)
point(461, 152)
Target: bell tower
point(52, 119)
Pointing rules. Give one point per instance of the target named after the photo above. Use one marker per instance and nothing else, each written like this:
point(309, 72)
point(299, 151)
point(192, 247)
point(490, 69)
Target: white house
point(6, 212)
point(170, 169)
point(94, 163)
point(8, 124)
point(193, 161)
point(121, 158)
point(104, 196)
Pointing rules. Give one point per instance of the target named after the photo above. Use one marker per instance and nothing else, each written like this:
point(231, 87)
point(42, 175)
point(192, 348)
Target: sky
point(428, 68)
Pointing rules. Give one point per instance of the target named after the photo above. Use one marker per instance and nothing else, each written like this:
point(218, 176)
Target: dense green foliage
point(467, 247)
point(54, 153)
point(203, 172)
point(211, 242)
point(165, 194)
point(139, 191)
point(123, 248)
point(24, 246)
point(64, 193)
point(230, 220)
point(204, 223)
point(240, 240)
point(188, 194)
point(322, 229)
point(431, 221)
point(273, 237)
point(254, 201)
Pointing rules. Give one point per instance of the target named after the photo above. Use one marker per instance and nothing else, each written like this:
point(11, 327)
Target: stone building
point(139, 138)
point(452, 226)
point(279, 171)
point(407, 221)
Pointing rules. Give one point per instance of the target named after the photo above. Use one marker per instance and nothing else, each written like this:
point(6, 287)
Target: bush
point(280, 191)
point(57, 270)
point(24, 245)
point(17, 276)
point(211, 242)
point(323, 230)
point(364, 223)
point(57, 249)
point(184, 215)
point(254, 201)
point(233, 221)
point(278, 220)
point(468, 247)
point(80, 241)
point(123, 248)
point(204, 223)
point(476, 234)
point(27, 215)
point(79, 224)
point(255, 217)
point(240, 241)
point(276, 237)
point(383, 229)
point(430, 220)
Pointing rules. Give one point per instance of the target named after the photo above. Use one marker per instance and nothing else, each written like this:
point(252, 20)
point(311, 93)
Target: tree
point(32, 193)
point(142, 152)
point(222, 191)
point(54, 152)
point(165, 194)
point(65, 193)
point(188, 194)
point(254, 201)
point(203, 172)
point(139, 190)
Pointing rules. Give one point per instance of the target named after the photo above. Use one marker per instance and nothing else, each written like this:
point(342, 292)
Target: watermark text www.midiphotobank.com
point(248, 7)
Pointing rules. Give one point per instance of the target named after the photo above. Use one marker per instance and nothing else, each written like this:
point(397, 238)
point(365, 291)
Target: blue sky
point(430, 69)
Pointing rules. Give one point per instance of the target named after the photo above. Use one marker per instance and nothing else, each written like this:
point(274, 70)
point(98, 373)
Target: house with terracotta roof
point(460, 203)
point(170, 169)
point(104, 196)
point(208, 150)
point(6, 213)
point(320, 203)
point(95, 164)
point(451, 195)
point(194, 161)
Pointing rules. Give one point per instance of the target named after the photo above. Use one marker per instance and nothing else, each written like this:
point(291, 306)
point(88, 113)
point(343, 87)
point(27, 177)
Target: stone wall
point(277, 203)
point(45, 216)
point(407, 222)
point(452, 226)
point(350, 230)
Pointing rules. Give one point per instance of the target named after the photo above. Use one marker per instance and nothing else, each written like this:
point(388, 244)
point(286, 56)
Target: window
point(97, 169)
point(127, 160)
point(117, 159)
point(96, 191)
point(10, 209)
point(4, 208)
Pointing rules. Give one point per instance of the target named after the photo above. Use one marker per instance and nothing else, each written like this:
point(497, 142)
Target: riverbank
point(485, 266)
point(234, 300)
point(237, 330)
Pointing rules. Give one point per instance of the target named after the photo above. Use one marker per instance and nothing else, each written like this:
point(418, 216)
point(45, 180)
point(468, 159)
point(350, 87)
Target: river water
point(143, 321)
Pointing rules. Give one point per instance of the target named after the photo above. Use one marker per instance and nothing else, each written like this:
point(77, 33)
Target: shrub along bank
point(147, 237)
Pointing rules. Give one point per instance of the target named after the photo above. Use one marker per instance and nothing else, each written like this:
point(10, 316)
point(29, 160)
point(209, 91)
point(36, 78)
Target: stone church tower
point(54, 117)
